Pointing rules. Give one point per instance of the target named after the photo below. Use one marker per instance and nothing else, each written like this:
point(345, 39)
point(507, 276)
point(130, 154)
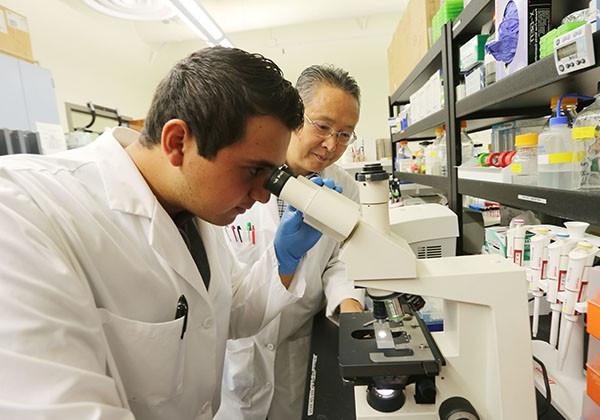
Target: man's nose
point(259, 192)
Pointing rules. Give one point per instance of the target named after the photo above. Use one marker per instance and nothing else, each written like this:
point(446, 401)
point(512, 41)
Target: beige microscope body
point(486, 339)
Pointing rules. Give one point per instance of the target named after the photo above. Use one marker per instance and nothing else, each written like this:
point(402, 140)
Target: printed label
point(311, 393)
point(518, 257)
point(561, 280)
point(516, 168)
point(532, 199)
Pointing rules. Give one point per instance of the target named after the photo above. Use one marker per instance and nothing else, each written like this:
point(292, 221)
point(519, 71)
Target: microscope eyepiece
point(277, 180)
point(372, 172)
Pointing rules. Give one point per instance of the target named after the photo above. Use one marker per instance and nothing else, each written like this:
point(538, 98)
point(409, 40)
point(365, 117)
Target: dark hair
point(215, 90)
point(311, 77)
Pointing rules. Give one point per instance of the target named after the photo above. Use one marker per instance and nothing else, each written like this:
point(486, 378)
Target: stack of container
point(591, 402)
point(449, 10)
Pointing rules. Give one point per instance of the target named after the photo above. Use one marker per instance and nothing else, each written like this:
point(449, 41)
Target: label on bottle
point(582, 133)
point(555, 158)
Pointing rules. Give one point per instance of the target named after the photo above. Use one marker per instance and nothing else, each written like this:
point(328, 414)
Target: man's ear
point(174, 134)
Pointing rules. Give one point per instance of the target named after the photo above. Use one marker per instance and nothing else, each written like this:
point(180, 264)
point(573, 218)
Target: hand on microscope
point(350, 305)
point(294, 238)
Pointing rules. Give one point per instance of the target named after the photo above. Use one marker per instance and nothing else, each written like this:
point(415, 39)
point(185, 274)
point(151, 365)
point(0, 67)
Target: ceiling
point(247, 15)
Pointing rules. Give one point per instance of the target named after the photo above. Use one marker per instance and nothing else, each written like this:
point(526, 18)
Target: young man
point(264, 375)
point(115, 300)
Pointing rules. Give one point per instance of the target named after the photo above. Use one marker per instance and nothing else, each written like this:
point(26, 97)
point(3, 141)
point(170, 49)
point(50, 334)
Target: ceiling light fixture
point(143, 10)
point(200, 22)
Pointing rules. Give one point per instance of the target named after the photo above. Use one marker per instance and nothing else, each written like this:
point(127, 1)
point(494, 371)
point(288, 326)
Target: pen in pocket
point(182, 311)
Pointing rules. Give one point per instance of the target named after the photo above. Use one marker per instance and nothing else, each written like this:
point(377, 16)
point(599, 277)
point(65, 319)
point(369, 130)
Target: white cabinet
point(26, 95)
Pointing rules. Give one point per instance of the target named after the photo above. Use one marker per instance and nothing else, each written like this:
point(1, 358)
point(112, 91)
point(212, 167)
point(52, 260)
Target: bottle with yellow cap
point(524, 165)
point(556, 165)
point(586, 136)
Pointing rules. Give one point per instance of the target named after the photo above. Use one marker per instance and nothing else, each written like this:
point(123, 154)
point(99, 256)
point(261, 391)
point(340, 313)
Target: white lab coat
point(92, 268)
point(265, 375)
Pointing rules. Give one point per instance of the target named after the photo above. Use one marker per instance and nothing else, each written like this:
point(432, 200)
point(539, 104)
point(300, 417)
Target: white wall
point(105, 60)
point(91, 57)
point(359, 46)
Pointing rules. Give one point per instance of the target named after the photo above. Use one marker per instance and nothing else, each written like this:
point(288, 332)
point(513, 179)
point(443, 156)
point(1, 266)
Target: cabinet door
point(38, 91)
point(13, 109)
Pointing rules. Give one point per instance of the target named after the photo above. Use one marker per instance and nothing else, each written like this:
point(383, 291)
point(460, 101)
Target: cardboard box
point(472, 53)
point(475, 80)
point(534, 22)
point(410, 41)
point(14, 35)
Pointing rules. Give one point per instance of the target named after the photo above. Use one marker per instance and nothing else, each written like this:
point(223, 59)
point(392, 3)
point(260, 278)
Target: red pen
point(253, 236)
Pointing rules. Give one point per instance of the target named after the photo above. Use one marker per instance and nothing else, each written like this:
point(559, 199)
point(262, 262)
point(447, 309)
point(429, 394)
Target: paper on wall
point(3, 27)
point(17, 21)
point(52, 138)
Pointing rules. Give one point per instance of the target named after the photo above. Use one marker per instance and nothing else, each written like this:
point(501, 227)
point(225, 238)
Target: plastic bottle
point(524, 164)
point(435, 153)
point(466, 143)
point(418, 163)
point(586, 136)
point(439, 145)
point(556, 166)
point(403, 157)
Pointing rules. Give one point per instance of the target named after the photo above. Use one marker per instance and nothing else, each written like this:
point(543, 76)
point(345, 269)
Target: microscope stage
point(414, 352)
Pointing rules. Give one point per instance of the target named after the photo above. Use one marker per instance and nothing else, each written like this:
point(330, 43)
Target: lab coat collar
point(125, 187)
point(128, 192)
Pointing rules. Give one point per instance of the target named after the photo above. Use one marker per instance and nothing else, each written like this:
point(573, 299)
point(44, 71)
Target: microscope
point(479, 367)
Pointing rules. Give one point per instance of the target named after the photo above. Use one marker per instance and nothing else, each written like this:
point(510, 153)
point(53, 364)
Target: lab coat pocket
point(149, 357)
point(238, 380)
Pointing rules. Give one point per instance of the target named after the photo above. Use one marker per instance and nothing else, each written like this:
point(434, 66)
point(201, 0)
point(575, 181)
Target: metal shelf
point(441, 183)
point(577, 205)
point(468, 24)
point(531, 87)
point(424, 129)
point(431, 62)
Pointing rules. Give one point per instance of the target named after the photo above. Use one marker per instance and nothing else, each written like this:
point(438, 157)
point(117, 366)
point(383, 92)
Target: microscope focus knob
point(457, 408)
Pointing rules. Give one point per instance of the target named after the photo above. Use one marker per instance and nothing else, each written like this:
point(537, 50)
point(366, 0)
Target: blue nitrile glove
point(294, 238)
point(505, 47)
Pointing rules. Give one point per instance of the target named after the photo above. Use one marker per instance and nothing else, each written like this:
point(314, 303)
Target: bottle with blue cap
point(556, 163)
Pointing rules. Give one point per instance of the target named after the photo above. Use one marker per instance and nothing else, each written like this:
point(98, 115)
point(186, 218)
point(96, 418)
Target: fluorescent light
point(193, 26)
point(200, 22)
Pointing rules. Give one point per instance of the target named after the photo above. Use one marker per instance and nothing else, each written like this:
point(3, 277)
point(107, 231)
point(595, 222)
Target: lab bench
point(328, 397)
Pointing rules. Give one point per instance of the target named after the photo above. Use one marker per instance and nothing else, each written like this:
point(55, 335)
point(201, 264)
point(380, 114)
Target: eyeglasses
point(323, 130)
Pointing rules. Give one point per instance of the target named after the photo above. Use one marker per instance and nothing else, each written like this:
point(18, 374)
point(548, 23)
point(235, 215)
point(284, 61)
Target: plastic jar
point(586, 135)
point(466, 143)
point(403, 156)
point(556, 166)
point(524, 164)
